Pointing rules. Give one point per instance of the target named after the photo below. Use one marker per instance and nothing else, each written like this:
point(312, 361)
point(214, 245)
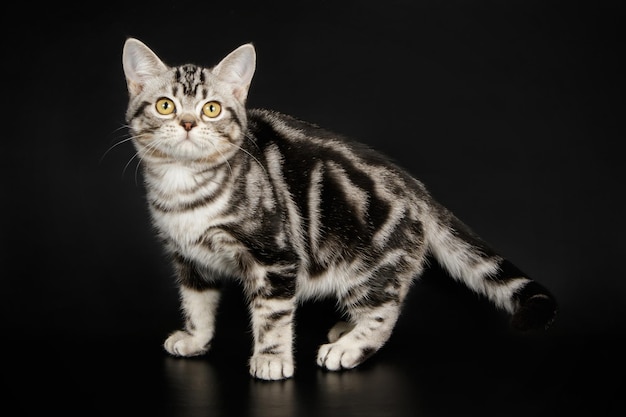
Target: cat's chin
point(197, 158)
point(183, 157)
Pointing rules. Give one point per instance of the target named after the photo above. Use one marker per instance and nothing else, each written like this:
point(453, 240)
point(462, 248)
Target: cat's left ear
point(237, 69)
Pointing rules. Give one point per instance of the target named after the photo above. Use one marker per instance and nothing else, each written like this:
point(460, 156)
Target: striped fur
point(293, 212)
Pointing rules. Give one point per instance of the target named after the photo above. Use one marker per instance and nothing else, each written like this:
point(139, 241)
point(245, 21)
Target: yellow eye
point(165, 106)
point(212, 109)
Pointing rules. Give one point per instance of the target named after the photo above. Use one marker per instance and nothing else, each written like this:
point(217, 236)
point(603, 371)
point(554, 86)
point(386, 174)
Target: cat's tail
point(468, 259)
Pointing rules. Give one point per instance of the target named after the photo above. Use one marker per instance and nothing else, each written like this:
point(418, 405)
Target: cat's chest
point(184, 208)
point(186, 227)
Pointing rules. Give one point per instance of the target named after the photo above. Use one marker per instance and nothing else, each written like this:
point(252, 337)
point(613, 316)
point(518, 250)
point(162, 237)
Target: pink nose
point(187, 125)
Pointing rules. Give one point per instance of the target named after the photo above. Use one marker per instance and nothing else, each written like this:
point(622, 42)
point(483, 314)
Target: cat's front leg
point(272, 324)
point(272, 310)
point(199, 307)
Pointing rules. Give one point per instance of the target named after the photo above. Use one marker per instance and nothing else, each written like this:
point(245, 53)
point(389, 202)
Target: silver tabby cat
point(293, 212)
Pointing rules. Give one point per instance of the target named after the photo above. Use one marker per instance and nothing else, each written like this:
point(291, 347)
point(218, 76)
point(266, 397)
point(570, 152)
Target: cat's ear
point(237, 69)
point(140, 64)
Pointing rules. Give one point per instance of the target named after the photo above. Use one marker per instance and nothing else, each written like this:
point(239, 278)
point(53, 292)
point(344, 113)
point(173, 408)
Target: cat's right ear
point(140, 64)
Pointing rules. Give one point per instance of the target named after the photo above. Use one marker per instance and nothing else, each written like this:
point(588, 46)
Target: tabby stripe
point(187, 76)
point(191, 205)
point(314, 206)
point(140, 109)
point(190, 277)
point(234, 117)
point(507, 272)
point(395, 217)
point(359, 174)
point(275, 168)
point(270, 350)
point(200, 186)
point(160, 172)
point(354, 195)
point(277, 315)
point(281, 286)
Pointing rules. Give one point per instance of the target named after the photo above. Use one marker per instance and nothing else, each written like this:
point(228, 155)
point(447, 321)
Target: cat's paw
point(271, 367)
point(337, 356)
point(339, 330)
point(181, 343)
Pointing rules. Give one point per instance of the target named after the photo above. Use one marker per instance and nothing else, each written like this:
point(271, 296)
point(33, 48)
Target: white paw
point(181, 343)
point(271, 367)
point(339, 330)
point(337, 356)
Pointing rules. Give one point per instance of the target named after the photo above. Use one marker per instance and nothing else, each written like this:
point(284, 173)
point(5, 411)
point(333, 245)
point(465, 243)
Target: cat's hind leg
point(338, 330)
point(199, 307)
point(372, 305)
point(352, 343)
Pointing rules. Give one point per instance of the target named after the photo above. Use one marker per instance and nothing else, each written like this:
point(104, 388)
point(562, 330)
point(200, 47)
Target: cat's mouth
point(189, 148)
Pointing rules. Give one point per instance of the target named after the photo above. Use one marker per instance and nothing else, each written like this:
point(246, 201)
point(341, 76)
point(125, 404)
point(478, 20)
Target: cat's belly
point(336, 280)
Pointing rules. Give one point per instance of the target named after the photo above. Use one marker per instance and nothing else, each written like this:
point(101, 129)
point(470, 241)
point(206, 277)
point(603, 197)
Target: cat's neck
point(170, 179)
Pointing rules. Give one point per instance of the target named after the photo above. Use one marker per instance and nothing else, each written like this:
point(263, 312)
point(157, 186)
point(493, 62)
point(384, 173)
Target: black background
point(511, 112)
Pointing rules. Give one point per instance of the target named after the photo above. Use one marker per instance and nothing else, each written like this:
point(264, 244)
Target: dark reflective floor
point(451, 355)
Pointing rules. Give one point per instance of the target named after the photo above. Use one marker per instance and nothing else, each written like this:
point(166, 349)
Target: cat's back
point(273, 127)
point(307, 142)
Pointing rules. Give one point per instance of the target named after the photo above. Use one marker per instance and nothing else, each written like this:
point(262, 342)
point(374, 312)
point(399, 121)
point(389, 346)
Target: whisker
point(251, 156)
point(128, 163)
point(123, 126)
point(135, 155)
point(252, 140)
point(230, 168)
point(151, 148)
point(140, 160)
point(114, 146)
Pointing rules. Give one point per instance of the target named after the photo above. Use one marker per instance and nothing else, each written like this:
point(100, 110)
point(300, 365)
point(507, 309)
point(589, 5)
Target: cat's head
point(187, 112)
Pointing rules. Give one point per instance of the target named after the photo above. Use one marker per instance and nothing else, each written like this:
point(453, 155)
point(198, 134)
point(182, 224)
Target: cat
point(293, 212)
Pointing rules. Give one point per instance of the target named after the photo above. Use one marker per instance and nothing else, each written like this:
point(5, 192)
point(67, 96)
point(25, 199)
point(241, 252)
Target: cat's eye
point(165, 106)
point(212, 109)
